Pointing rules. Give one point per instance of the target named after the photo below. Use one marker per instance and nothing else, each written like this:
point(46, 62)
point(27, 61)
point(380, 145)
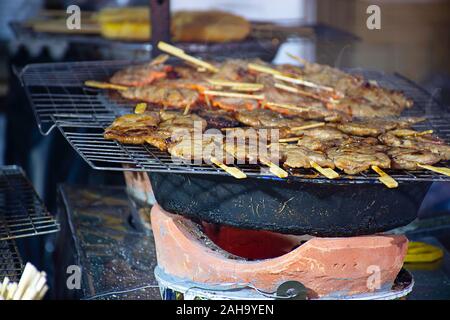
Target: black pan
point(296, 207)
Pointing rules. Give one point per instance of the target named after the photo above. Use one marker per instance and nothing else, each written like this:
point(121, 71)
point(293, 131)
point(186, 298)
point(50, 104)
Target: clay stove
point(219, 262)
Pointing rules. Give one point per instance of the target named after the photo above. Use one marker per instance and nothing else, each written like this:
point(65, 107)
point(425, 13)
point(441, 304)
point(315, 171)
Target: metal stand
point(160, 23)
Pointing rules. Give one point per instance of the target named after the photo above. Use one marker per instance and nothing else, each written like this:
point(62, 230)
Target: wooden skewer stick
point(415, 134)
point(246, 85)
point(140, 108)
point(293, 139)
point(275, 169)
point(26, 280)
point(4, 287)
point(12, 288)
point(280, 76)
point(263, 69)
point(104, 85)
point(308, 126)
point(163, 46)
point(327, 172)
point(297, 58)
point(386, 179)
point(287, 106)
point(304, 93)
point(235, 172)
point(42, 293)
point(441, 170)
point(233, 94)
point(159, 59)
point(186, 110)
point(303, 82)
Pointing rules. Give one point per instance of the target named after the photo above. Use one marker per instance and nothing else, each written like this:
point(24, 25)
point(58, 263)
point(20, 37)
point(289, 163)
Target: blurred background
point(413, 41)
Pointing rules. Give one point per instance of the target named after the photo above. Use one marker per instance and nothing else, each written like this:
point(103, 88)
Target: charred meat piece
point(356, 158)
point(355, 86)
point(358, 107)
point(380, 96)
point(375, 127)
point(181, 123)
point(257, 134)
point(325, 133)
point(163, 95)
point(175, 127)
point(217, 118)
point(267, 118)
point(133, 128)
point(307, 107)
point(197, 149)
point(245, 151)
point(294, 156)
point(404, 158)
point(234, 104)
point(235, 70)
point(322, 141)
point(406, 138)
point(148, 128)
point(140, 75)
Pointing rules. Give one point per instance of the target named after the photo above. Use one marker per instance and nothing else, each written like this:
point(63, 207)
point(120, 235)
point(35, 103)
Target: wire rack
point(22, 213)
point(11, 265)
point(81, 114)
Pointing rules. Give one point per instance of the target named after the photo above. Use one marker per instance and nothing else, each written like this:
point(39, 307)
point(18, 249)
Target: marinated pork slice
point(235, 70)
point(234, 104)
point(140, 75)
point(294, 156)
point(257, 134)
point(267, 118)
point(406, 138)
point(375, 127)
point(356, 158)
point(198, 148)
point(325, 133)
point(133, 128)
point(404, 158)
point(163, 95)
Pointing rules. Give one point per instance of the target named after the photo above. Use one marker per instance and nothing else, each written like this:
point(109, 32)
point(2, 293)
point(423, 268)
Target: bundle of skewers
point(32, 286)
point(325, 119)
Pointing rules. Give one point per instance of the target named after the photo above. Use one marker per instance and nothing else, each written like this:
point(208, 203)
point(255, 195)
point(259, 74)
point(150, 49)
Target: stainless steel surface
point(59, 98)
point(98, 232)
point(118, 260)
point(11, 265)
point(22, 213)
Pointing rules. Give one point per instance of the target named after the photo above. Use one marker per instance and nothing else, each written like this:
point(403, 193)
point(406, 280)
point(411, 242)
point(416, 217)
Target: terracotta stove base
point(214, 257)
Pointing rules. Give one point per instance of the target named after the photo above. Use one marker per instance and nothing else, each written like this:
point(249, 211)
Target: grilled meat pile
point(328, 117)
point(312, 92)
point(327, 145)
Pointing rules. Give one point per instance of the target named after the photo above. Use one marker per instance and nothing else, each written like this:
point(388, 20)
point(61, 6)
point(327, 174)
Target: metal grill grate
point(22, 213)
point(10, 262)
point(59, 99)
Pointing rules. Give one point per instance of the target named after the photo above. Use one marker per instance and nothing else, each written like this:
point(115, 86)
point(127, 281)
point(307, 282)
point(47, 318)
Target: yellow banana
point(422, 252)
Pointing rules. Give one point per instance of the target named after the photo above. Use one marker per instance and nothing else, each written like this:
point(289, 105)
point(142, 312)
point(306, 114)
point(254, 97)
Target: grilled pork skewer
point(411, 159)
point(140, 75)
point(268, 119)
point(294, 156)
point(406, 138)
point(375, 127)
point(250, 151)
point(157, 129)
point(207, 149)
point(133, 128)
